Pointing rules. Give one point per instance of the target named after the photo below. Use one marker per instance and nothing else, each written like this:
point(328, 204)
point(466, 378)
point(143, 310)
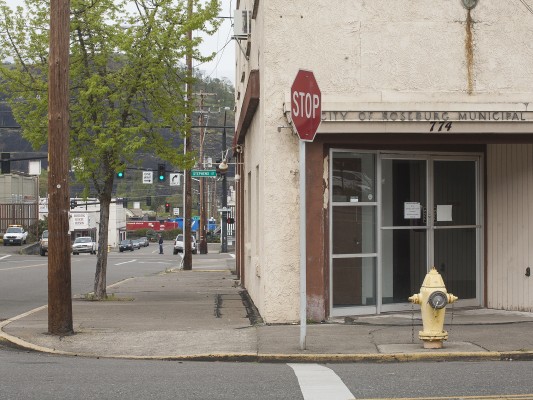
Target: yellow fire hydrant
point(433, 299)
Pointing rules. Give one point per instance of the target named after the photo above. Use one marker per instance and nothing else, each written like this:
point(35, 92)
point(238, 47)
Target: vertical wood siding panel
point(490, 223)
point(522, 232)
point(518, 182)
point(502, 215)
point(498, 211)
point(502, 205)
point(514, 226)
point(519, 250)
point(522, 213)
point(523, 225)
point(508, 199)
point(509, 226)
point(529, 213)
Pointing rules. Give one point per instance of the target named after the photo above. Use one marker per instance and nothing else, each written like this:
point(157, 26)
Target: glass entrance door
point(429, 218)
point(405, 226)
point(395, 216)
point(455, 226)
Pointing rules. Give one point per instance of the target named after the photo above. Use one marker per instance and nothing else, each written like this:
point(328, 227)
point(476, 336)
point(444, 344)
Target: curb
point(292, 358)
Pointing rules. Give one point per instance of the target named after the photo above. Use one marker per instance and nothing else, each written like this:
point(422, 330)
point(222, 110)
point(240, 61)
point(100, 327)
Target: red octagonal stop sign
point(306, 105)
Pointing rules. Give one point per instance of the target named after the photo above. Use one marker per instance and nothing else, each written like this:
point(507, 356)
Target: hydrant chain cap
point(438, 300)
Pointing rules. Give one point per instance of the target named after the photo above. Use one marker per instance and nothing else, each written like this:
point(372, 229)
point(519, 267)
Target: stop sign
point(306, 105)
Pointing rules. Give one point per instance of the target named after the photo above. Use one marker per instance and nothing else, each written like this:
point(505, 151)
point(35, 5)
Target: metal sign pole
point(303, 258)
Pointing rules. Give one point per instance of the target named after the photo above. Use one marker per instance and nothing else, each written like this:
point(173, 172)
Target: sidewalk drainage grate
point(252, 313)
point(251, 310)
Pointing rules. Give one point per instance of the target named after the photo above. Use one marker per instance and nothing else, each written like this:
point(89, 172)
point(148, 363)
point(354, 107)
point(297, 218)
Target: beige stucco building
point(424, 156)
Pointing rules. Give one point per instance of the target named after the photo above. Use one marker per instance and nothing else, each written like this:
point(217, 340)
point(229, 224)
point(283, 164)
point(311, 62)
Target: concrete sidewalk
point(201, 315)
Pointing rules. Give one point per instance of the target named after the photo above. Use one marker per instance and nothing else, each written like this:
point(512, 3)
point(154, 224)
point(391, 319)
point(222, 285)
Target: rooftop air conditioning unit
point(242, 24)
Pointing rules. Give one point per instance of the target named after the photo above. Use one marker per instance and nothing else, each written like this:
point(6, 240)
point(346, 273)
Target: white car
point(43, 243)
point(178, 244)
point(84, 244)
point(15, 234)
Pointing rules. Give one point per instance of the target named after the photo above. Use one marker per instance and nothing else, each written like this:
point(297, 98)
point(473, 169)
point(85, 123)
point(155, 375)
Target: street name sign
point(202, 173)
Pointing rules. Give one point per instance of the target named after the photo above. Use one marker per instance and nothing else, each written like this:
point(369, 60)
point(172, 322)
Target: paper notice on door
point(411, 210)
point(444, 212)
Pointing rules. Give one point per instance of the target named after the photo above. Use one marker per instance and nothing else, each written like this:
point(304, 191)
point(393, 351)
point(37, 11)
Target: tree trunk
point(100, 291)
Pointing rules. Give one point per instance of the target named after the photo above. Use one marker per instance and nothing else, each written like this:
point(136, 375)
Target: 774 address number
point(439, 126)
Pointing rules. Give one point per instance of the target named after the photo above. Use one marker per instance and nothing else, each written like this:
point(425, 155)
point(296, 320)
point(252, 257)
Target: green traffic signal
point(161, 172)
point(120, 174)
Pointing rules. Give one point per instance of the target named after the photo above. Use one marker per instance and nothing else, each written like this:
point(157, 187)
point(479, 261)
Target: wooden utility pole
point(224, 227)
point(187, 255)
point(59, 278)
point(203, 220)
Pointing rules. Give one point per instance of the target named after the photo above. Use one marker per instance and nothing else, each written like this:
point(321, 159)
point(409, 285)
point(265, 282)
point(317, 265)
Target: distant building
point(84, 220)
point(19, 196)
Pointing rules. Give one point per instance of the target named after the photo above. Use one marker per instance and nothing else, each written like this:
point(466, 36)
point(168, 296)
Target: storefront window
point(353, 177)
point(354, 282)
point(354, 229)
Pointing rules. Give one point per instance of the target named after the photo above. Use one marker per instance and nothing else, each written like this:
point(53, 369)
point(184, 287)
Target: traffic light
point(73, 204)
point(125, 202)
point(230, 220)
point(161, 172)
point(167, 207)
point(120, 174)
point(148, 201)
point(6, 164)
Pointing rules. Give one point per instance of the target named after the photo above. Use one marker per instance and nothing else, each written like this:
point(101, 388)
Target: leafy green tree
point(127, 82)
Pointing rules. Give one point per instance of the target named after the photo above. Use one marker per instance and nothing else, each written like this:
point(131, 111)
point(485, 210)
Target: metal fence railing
point(25, 214)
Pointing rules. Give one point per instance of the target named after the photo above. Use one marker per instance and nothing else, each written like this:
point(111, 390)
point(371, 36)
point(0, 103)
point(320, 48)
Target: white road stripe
point(126, 262)
point(23, 267)
point(318, 383)
point(8, 321)
point(1, 258)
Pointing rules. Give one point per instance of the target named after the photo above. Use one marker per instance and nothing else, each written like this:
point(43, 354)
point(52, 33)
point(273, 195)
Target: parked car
point(84, 244)
point(136, 244)
point(144, 241)
point(178, 244)
point(43, 243)
point(126, 244)
point(15, 234)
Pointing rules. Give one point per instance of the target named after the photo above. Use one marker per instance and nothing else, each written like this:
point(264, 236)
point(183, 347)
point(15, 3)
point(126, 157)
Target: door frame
point(430, 157)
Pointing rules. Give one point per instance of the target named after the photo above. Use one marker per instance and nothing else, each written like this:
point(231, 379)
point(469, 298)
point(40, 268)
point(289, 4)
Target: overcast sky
point(223, 66)
point(224, 63)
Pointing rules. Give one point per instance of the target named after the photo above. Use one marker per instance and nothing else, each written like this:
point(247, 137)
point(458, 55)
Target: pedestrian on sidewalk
point(160, 244)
